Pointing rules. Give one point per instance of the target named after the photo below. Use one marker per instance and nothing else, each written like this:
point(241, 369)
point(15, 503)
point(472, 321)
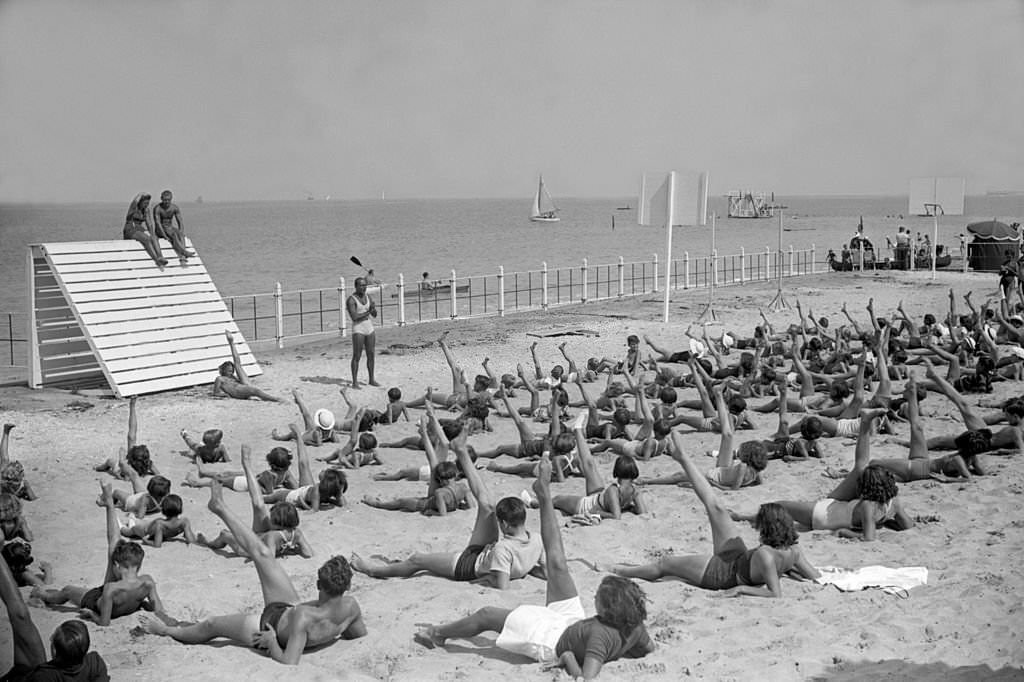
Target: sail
point(543, 205)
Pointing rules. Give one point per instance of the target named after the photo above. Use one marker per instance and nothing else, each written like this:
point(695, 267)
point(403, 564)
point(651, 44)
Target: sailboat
point(544, 208)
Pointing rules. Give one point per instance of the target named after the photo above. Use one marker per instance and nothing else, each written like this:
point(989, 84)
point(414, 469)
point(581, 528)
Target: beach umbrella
point(993, 229)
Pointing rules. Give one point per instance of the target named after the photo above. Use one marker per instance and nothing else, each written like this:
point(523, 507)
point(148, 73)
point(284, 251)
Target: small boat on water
point(436, 290)
point(544, 208)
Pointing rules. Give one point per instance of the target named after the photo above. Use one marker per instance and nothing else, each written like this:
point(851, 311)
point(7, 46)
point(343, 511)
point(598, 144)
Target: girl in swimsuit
point(138, 225)
point(732, 567)
point(863, 500)
point(233, 382)
point(311, 493)
point(360, 450)
point(609, 501)
point(277, 528)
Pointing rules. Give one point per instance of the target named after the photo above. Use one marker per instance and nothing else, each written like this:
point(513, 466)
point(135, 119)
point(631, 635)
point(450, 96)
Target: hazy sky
point(259, 99)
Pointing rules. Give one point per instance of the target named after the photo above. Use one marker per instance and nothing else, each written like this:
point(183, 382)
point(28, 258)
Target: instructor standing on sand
point(362, 310)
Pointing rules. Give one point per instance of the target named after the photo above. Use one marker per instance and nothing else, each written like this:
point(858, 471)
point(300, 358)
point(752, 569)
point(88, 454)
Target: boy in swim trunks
point(155, 531)
point(500, 548)
point(123, 591)
point(233, 382)
point(288, 626)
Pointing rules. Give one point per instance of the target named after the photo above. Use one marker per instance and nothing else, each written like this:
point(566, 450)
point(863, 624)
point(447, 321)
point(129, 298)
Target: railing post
point(686, 269)
point(714, 267)
point(967, 257)
point(743, 265)
point(583, 273)
point(455, 308)
point(342, 317)
point(767, 263)
point(792, 261)
point(622, 276)
point(401, 300)
point(279, 314)
point(655, 286)
point(501, 291)
point(813, 259)
point(544, 285)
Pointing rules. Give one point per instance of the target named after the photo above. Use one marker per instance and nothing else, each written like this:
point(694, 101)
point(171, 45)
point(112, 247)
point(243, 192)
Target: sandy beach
point(965, 624)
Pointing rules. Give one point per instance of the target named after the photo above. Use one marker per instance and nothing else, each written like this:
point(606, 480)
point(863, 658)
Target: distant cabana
point(992, 240)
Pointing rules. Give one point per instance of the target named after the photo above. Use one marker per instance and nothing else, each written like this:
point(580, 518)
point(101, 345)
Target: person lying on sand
point(559, 634)
point(233, 382)
point(287, 626)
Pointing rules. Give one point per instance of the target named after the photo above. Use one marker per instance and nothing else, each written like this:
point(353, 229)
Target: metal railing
point(280, 315)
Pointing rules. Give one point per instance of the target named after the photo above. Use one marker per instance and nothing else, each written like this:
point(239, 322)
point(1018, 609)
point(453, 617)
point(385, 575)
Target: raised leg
point(28, 645)
point(560, 584)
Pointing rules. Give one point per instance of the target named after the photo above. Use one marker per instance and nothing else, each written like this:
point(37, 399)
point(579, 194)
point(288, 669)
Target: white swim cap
point(727, 340)
point(697, 348)
point(324, 418)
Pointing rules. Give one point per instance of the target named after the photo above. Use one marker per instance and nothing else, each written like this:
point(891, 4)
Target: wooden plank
point(144, 275)
point(209, 358)
point(98, 268)
point(140, 302)
point(213, 334)
point(80, 345)
point(164, 346)
point(154, 312)
point(222, 318)
point(167, 384)
point(116, 295)
point(62, 248)
point(160, 279)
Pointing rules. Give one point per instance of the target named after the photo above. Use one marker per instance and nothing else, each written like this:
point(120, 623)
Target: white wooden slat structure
point(103, 315)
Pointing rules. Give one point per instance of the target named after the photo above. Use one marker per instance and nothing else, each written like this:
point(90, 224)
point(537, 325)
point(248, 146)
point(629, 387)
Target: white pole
point(668, 239)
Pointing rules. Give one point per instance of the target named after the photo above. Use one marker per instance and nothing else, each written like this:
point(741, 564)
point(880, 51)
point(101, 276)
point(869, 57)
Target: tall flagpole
point(668, 239)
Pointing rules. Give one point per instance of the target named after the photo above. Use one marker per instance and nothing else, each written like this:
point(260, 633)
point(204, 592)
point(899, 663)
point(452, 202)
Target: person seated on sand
point(12, 472)
point(601, 501)
point(731, 567)
point(277, 476)
point(123, 591)
point(559, 634)
point(313, 493)
point(287, 626)
point(787, 448)
point(395, 408)
point(864, 500)
point(69, 644)
point(446, 491)
point(137, 455)
point(155, 530)
point(500, 549)
point(360, 449)
point(920, 466)
point(277, 528)
point(210, 451)
point(233, 382)
point(731, 471)
point(318, 427)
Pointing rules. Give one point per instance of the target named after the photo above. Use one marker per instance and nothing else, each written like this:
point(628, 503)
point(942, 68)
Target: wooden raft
point(102, 315)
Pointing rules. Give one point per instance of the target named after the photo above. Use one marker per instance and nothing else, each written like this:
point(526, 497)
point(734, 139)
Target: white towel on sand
point(891, 580)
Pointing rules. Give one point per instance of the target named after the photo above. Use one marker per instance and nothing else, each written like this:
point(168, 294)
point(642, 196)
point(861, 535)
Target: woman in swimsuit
point(233, 382)
point(361, 310)
point(864, 500)
point(287, 626)
point(138, 225)
point(311, 493)
point(732, 567)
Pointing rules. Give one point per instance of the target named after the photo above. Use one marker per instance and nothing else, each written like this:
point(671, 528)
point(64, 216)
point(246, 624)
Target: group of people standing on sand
point(821, 380)
point(148, 225)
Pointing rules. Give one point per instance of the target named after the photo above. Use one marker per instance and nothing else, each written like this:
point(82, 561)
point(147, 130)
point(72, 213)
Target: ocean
point(248, 246)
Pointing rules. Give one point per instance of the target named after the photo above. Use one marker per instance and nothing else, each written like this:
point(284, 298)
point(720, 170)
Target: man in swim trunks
point(287, 626)
point(500, 548)
point(164, 215)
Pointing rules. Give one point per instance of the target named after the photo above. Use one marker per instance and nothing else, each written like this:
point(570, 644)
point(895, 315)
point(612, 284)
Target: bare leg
point(28, 645)
point(260, 514)
point(848, 488)
point(133, 423)
point(918, 442)
point(971, 421)
point(593, 478)
point(537, 372)
point(452, 365)
point(725, 424)
point(358, 341)
point(307, 418)
point(370, 344)
point(4, 444)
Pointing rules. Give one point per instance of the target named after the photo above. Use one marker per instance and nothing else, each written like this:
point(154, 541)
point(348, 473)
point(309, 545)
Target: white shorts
point(425, 473)
point(848, 428)
point(240, 484)
point(534, 630)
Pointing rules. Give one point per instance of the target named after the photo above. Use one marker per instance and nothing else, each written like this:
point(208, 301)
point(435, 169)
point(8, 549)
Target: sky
point(262, 99)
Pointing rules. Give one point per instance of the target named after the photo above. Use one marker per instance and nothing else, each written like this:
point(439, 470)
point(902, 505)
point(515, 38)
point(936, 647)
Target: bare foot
point(106, 494)
point(191, 480)
point(153, 625)
point(440, 339)
point(360, 565)
point(216, 503)
point(373, 382)
point(542, 484)
point(8, 428)
point(356, 385)
point(47, 568)
point(429, 637)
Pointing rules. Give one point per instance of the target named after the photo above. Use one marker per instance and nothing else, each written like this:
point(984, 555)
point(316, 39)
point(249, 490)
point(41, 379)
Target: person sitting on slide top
point(123, 591)
point(500, 549)
point(277, 528)
point(559, 634)
point(233, 382)
point(287, 626)
point(138, 225)
point(165, 214)
point(731, 568)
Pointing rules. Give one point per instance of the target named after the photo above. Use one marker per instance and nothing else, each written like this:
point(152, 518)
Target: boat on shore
point(544, 209)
